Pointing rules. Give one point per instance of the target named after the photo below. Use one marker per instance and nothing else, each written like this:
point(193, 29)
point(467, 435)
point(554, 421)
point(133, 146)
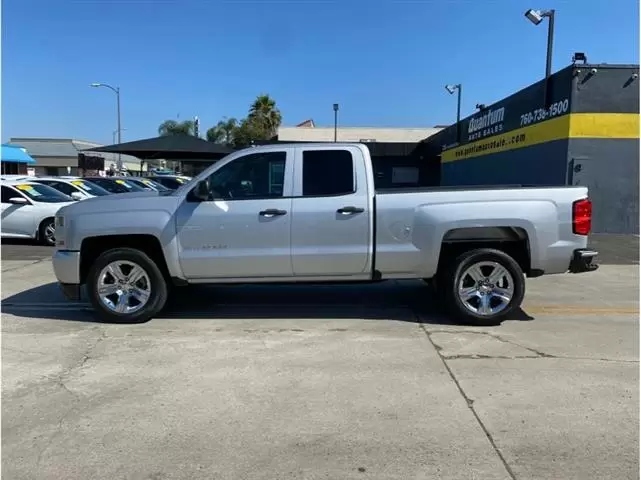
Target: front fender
point(157, 223)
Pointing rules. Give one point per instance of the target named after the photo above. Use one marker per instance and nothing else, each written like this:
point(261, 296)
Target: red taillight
point(582, 217)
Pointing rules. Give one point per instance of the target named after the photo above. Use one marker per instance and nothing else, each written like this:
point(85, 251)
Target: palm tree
point(172, 127)
point(223, 132)
point(265, 113)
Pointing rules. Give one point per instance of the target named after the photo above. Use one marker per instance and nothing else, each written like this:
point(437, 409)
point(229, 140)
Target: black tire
point(451, 277)
point(158, 288)
point(42, 232)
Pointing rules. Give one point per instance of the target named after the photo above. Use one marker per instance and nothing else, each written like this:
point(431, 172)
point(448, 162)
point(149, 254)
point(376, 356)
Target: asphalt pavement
point(14, 249)
point(301, 382)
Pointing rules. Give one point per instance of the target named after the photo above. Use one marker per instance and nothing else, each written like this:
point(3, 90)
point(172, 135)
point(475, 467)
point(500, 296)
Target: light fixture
point(535, 16)
point(451, 88)
point(579, 57)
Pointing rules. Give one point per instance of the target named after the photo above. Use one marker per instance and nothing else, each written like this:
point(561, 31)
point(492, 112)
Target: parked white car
point(77, 188)
point(12, 177)
point(29, 210)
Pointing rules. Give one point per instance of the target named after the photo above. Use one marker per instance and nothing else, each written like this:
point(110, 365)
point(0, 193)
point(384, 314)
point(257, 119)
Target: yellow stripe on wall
point(604, 125)
point(547, 131)
point(575, 125)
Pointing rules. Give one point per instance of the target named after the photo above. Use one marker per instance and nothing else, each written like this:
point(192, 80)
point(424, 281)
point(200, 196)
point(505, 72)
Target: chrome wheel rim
point(486, 288)
point(50, 233)
point(124, 287)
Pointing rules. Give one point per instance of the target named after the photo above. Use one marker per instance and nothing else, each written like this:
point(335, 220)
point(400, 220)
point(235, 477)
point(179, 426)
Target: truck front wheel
point(126, 286)
point(483, 286)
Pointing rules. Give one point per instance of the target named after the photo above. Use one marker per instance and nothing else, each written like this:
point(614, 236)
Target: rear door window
point(327, 173)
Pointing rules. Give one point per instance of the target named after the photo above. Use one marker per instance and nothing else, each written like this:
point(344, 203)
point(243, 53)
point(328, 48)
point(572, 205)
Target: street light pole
point(116, 90)
point(113, 135)
point(536, 17)
point(458, 105)
point(335, 122)
point(548, 61)
point(450, 89)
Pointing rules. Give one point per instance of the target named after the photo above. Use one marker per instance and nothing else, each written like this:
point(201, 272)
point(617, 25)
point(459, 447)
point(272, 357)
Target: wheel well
point(93, 247)
point(512, 241)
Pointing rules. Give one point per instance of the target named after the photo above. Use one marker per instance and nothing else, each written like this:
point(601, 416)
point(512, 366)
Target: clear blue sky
point(385, 62)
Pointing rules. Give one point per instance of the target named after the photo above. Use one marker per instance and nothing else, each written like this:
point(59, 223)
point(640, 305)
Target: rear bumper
point(583, 260)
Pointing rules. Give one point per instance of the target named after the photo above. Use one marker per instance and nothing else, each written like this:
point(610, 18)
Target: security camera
point(593, 71)
point(635, 76)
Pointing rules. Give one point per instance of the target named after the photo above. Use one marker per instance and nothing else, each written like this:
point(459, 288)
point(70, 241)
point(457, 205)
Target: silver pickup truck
point(311, 213)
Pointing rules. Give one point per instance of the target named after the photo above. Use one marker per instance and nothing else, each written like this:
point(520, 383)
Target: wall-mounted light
point(579, 57)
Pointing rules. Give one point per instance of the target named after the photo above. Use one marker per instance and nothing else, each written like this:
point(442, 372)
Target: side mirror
point(18, 201)
point(201, 191)
point(77, 195)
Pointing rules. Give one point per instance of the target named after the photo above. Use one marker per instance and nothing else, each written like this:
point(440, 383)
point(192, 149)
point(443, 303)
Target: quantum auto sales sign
point(488, 122)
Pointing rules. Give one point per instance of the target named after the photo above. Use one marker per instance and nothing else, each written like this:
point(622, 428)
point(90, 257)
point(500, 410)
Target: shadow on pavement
point(19, 241)
point(407, 301)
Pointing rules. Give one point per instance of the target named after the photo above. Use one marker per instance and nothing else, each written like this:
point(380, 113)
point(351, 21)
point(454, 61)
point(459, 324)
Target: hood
point(124, 202)
point(55, 207)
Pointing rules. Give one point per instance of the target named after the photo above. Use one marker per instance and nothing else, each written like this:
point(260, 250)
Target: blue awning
point(15, 154)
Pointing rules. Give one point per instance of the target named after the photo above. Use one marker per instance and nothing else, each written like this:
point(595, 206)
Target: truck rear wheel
point(126, 286)
point(483, 286)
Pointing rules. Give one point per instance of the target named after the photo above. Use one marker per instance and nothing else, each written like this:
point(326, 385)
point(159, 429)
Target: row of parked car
point(29, 204)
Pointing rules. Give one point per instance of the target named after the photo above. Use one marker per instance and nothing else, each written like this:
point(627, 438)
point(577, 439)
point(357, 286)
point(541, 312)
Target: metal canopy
point(170, 147)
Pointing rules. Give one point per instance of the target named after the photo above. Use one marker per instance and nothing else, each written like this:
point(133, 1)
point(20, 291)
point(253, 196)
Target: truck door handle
point(350, 210)
point(272, 212)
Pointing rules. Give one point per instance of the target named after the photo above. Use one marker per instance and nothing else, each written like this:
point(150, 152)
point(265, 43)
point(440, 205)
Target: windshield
point(151, 184)
point(90, 188)
point(117, 185)
point(42, 193)
point(173, 183)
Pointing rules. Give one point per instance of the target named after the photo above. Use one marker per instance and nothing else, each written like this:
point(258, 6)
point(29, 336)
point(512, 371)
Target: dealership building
point(60, 156)
point(307, 131)
point(580, 127)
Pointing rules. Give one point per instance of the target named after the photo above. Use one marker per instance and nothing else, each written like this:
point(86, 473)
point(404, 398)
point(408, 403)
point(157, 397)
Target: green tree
point(173, 127)
point(265, 115)
point(249, 131)
point(224, 131)
point(262, 123)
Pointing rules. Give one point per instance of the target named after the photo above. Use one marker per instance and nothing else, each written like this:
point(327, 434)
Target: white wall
point(355, 134)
